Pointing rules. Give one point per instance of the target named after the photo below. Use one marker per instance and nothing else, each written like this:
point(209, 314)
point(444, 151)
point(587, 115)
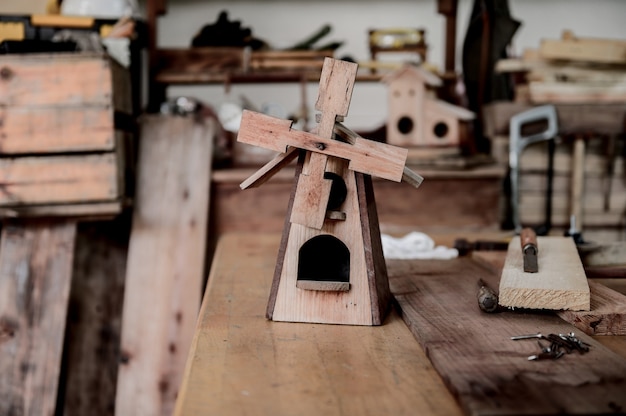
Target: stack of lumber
point(571, 70)
point(604, 192)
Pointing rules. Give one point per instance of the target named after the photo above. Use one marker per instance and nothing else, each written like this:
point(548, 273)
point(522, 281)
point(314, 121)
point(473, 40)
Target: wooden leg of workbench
point(35, 275)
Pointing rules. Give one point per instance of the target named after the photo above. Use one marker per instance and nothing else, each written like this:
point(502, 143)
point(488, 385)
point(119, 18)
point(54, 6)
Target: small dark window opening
point(324, 258)
point(405, 125)
point(440, 130)
point(338, 191)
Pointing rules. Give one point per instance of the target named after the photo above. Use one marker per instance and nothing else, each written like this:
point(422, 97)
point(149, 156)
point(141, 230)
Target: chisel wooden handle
point(528, 237)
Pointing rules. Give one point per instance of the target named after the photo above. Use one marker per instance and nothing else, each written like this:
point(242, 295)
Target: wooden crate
point(60, 150)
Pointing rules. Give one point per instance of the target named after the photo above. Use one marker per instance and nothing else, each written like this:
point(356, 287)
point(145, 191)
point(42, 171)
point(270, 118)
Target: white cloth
point(415, 245)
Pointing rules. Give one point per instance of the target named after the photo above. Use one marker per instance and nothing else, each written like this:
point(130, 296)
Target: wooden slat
point(560, 283)
point(55, 129)
point(241, 364)
point(35, 273)
point(55, 79)
point(366, 156)
point(165, 267)
point(59, 179)
point(486, 371)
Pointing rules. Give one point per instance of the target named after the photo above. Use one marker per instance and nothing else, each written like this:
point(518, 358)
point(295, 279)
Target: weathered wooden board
point(472, 351)
point(56, 129)
point(59, 179)
point(94, 323)
point(165, 266)
point(35, 273)
point(41, 80)
point(560, 283)
point(607, 315)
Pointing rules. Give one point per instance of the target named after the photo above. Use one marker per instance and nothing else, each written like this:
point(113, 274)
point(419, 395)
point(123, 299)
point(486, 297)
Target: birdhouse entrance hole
point(441, 130)
point(405, 125)
point(324, 264)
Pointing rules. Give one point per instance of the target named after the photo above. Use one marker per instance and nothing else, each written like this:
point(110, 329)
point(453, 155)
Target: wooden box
point(60, 150)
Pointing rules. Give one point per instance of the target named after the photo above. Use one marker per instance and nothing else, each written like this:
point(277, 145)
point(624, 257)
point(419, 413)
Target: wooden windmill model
point(330, 266)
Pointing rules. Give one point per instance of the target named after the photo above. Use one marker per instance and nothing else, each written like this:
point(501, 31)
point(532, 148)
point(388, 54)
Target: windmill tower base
point(337, 274)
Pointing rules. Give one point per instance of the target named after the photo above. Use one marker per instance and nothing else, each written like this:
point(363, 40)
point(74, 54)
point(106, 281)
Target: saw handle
point(528, 237)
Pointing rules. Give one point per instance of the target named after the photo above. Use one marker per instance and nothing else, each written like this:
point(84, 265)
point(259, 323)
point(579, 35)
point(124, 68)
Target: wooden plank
point(576, 93)
point(59, 179)
point(55, 129)
point(607, 315)
point(584, 49)
point(94, 326)
point(55, 79)
point(241, 364)
point(165, 267)
point(99, 210)
point(486, 371)
point(35, 273)
point(560, 283)
point(365, 156)
point(270, 169)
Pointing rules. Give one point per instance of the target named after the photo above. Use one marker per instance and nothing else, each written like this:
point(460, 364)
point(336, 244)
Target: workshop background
point(121, 192)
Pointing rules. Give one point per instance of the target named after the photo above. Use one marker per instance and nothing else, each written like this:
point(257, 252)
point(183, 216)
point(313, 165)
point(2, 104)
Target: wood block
point(484, 369)
point(166, 261)
point(560, 284)
point(35, 273)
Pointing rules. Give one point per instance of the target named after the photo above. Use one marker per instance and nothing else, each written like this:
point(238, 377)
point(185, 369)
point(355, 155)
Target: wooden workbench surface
point(240, 363)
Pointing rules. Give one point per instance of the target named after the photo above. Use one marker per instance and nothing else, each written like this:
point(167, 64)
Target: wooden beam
point(35, 273)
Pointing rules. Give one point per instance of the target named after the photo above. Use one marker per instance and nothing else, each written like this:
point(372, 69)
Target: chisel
point(530, 250)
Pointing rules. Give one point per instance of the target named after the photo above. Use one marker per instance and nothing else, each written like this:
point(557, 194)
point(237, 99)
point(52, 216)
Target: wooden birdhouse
point(415, 117)
point(330, 266)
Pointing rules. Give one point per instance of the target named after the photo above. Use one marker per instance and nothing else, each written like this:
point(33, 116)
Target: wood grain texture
point(353, 307)
point(59, 179)
point(240, 363)
point(165, 267)
point(365, 156)
point(95, 317)
point(486, 371)
point(607, 314)
point(35, 274)
point(584, 49)
point(55, 80)
point(560, 283)
point(55, 129)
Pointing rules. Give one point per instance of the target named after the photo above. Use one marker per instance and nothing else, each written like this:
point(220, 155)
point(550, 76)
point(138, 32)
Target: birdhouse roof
point(454, 110)
point(416, 72)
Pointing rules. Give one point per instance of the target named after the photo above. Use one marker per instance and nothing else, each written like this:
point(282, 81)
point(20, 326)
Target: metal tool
point(487, 297)
point(560, 344)
point(530, 250)
point(518, 143)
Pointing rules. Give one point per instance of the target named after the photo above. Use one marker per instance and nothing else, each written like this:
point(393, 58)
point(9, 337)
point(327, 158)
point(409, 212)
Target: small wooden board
point(487, 371)
point(560, 284)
